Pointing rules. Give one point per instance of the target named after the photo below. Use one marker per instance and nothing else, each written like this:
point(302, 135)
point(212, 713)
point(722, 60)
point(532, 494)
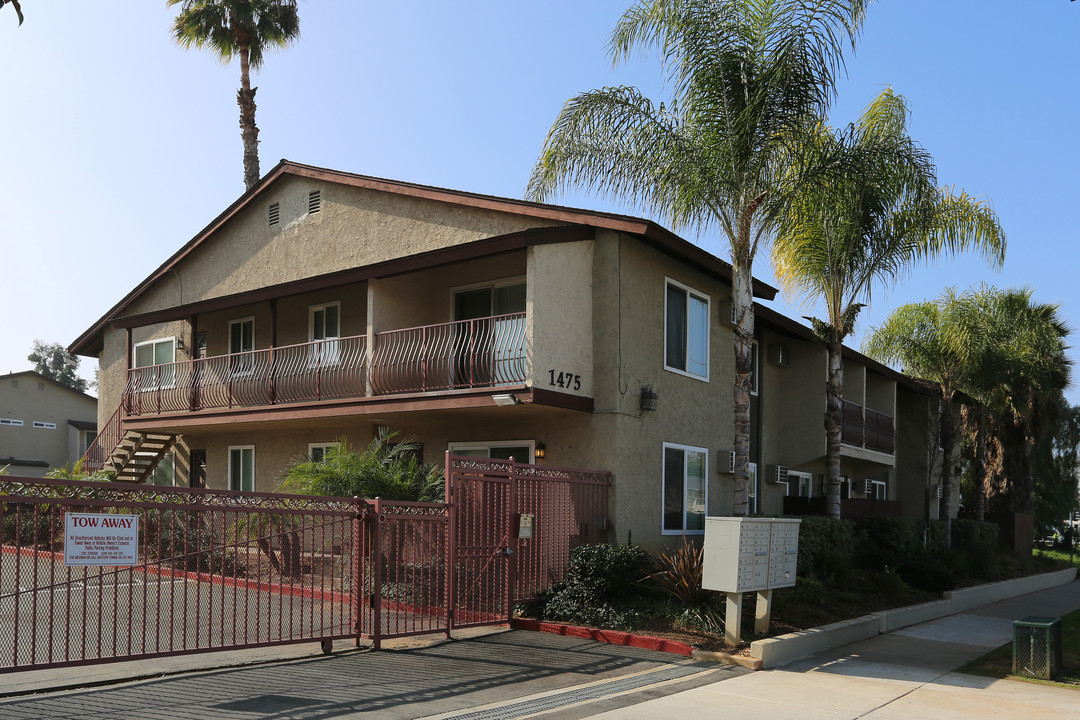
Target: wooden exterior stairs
point(139, 453)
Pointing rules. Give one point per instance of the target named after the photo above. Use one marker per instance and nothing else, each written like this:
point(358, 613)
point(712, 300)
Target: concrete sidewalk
point(905, 674)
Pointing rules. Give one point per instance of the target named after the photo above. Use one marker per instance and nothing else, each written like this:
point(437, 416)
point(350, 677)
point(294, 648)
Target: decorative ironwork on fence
point(218, 569)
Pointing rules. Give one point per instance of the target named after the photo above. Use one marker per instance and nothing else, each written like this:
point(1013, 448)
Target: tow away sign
point(93, 539)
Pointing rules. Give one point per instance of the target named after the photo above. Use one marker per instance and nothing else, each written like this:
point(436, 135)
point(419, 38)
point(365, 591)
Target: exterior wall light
point(541, 450)
point(648, 398)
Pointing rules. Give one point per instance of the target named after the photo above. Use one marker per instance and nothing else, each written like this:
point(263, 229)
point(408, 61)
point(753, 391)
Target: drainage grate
point(584, 694)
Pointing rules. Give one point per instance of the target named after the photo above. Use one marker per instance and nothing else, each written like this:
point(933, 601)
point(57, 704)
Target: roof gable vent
point(274, 214)
point(314, 201)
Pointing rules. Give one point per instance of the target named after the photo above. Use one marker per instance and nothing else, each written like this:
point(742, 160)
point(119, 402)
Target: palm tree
point(747, 77)
point(1020, 369)
point(18, 8)
point(848, 232)
point(244, 28)
point(926, 339)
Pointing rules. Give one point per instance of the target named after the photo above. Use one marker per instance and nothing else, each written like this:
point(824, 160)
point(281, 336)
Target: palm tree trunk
point(980, 464)
point(948, 442)
point(834, 418)
point(742, 297)
point(249, 133)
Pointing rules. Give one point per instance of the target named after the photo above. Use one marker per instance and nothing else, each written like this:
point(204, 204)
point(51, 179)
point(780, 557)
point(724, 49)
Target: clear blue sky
point(118, 146)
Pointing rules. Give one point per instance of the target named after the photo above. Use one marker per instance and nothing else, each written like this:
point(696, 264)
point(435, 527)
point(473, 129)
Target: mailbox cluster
point(750, 554)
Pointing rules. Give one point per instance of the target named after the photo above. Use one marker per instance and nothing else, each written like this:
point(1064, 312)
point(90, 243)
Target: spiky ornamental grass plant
point(867, 224)
point(747, 78)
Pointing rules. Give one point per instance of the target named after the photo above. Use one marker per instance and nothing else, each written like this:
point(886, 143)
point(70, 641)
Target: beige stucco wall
point(355, 227)
point(559, 315)
point(31, 399)
point(917, 457)
point(880, 393)
point(628, 312)
point(792, 409)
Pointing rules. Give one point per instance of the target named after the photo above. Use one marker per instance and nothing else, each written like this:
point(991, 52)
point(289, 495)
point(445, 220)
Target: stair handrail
point(106, 442)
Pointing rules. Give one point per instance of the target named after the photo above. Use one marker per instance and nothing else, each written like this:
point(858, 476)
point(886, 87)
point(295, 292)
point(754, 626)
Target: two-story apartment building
point(43, 424)
point(322, 305)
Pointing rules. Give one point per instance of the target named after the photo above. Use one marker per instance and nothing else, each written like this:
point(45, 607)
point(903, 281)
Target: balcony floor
point(296, 414)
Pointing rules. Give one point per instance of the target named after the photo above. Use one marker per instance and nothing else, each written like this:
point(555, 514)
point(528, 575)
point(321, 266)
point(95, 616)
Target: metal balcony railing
point(464, 354)
point(867, 428)
point(486, 352)
point(320, 370)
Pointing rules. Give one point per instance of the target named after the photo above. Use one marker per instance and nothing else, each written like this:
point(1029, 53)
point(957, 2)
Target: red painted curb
point(614, 637)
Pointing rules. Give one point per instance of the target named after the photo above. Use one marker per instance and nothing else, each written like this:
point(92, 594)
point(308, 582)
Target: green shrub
point(927, 572)
point(887, 541)
point(599, 589)
point(975, 546)
point(386, 468)
point(826, 546)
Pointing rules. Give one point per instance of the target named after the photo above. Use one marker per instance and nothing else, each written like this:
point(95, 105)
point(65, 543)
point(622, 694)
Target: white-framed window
point(324, 324)
point(242, 467)
point(317, 451)
point(165, 472)
point(242, 345)
point(523, 451)
point(11, 421)
point(686, 330)
point(502, 297)
point(86, 439)
point(157, 356)
point(505, 337)
point(155, 352)
point(44, 425)
point(685, 489)
point(800, 484)
point(752, 490)
point(755, 368)
point(879, 490)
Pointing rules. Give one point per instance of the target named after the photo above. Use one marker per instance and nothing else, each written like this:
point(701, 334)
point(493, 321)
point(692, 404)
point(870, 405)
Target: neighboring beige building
point(322, 305)
point(43, 424)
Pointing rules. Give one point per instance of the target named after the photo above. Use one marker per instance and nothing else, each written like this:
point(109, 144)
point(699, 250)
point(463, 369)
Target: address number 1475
point(564, 380)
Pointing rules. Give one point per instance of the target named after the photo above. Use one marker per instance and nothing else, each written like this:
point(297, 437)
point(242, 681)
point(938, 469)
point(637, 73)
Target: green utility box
point(1037, 647)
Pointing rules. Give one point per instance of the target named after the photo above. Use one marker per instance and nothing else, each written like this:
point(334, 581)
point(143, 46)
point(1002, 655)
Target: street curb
point(783, 649)
point(613, 637)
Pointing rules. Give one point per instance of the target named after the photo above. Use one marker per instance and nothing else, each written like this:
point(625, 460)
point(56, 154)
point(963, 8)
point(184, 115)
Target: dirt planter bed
point(646, 642)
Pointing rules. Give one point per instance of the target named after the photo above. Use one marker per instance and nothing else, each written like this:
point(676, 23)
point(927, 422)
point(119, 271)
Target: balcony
point(486, 352)
point(867, 428)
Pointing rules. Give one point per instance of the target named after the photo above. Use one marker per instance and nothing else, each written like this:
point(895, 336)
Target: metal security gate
point(513, 527)
point(213, 570)
point(217, 570)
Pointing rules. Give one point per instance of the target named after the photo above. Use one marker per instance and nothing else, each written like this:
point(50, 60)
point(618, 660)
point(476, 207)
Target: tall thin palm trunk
point(249, 132)
point(948, 477)
point(981, 430)
point(834, 419)
point(742, 295)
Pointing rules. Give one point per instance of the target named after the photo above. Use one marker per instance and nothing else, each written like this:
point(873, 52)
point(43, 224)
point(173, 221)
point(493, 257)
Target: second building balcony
point(485, 352)
point(866, 428)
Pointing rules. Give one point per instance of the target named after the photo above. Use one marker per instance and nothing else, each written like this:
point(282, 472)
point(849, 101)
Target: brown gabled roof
point(38, 376)
point(770, 317)
point(90, 342)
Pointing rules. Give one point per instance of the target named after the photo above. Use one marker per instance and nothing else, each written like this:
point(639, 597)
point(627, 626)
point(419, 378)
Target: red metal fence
point(222, 570)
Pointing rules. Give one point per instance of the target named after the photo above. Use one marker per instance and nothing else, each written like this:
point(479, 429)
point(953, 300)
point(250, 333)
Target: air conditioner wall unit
point(731, 463)
point(868, 488)
point(778, 473)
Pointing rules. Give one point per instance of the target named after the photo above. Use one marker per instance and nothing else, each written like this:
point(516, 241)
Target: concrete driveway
point(502, 675)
